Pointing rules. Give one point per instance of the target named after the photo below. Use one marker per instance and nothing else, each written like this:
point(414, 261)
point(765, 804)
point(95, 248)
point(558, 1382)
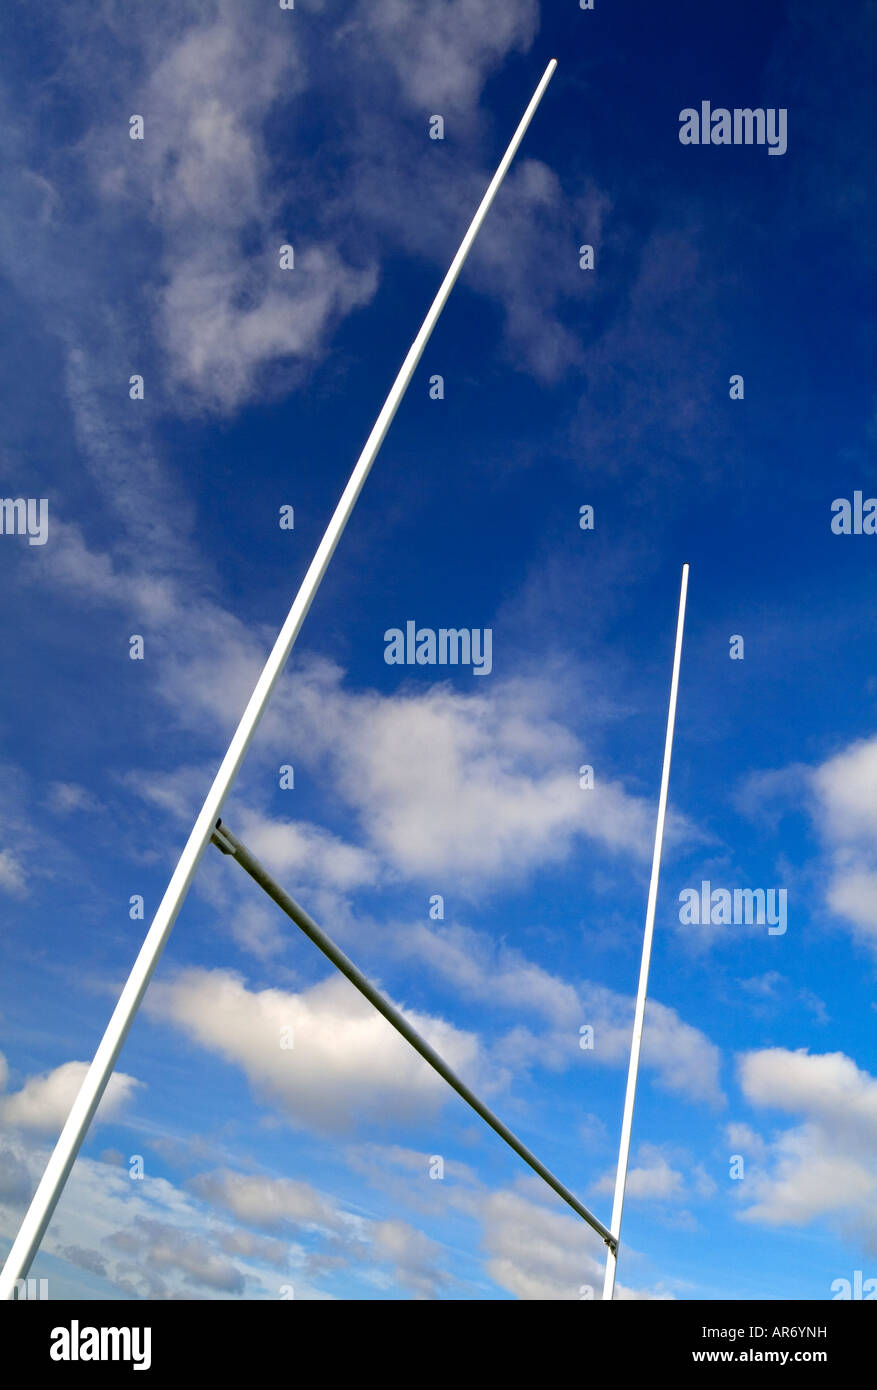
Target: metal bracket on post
point(219, 840)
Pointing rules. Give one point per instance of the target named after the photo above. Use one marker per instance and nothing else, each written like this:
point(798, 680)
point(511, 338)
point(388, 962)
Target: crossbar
point(228, 843)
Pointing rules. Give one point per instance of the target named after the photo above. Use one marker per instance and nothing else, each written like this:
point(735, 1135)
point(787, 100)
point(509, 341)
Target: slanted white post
point(639, 1013)
point(82, 1111)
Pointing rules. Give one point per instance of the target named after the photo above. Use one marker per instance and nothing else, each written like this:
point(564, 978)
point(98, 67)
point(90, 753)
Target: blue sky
point(265, 1169)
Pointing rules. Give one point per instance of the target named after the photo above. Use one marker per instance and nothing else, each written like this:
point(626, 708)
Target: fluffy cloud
point(347, 1063)
point(308, 853)
point(846, 785)
point(846, 795)
point(824, 1166)
point(483, 786)
point(43, 1103)
point(829, 1088)
point(841, 796)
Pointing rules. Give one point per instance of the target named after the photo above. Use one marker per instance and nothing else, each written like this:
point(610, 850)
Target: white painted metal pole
point(639, 1014)
point(58, 1168)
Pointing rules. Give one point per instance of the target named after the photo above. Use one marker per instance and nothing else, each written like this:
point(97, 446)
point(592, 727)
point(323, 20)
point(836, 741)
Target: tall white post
point(70, 1140)
point(639, 1013)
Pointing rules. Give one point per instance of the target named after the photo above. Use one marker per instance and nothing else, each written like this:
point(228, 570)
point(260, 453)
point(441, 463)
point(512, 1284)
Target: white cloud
point(652, 1179)
point(347, 1062)
point(219, 350)
point(847, 788)
point(743, 1139)
point(112, 1236)
point(413, 1256)
point(265, 1248)
point(163, 1247)
point(442, 50)
point(205, 177)
point(117, 1237)
point(223, 197)
point(32, 854)
point(94, 575)
point(828, 1087)
point(278, 1203)
point(480, 968)
point(264, 1201)
point(532, 1246)
point(43, 1103)
point(852, 893)
point(765, 986)
point(841, 796)
point(307, 852)
point(132, 481)
point(824, 1166)
point(483, 786)
point(379, 1160)
point(536, 1253)
point(179, 792)
point(844, 790)
point(514, 250)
